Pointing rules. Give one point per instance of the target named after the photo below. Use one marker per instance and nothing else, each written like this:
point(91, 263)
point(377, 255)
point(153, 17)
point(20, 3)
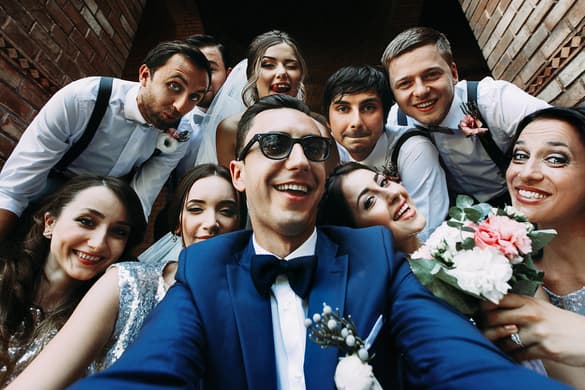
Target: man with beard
point(172, 80)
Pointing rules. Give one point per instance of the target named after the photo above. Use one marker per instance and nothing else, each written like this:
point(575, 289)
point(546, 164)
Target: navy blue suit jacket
point(214, 330)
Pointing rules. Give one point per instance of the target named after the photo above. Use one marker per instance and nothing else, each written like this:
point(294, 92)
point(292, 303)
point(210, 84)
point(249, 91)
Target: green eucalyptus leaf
point(456, 213)
point(473, 214)
point(463, 201)
point(540, 238)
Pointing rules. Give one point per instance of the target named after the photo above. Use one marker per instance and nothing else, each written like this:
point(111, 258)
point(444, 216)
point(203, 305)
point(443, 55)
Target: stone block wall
point(45, 44)
point(536, 44)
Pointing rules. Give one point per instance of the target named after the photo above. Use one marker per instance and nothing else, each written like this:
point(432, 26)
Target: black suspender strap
point(403, 138)
point(401, 118)
point(101, 104)
point(486, 138)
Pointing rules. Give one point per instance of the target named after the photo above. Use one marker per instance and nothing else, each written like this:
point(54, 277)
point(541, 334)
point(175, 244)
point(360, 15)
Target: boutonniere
point(168, 140)
point(330, 329)
point(471, 123)
point(479, 254)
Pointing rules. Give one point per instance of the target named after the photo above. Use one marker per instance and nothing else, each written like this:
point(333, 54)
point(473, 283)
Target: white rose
point(443, 240)
point(166, 144)
point(353, 374)
point(483, 272)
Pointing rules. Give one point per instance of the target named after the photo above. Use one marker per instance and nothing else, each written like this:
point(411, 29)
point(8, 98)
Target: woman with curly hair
point(77, 233)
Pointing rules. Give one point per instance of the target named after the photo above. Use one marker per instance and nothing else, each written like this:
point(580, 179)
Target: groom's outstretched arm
point(168, 352)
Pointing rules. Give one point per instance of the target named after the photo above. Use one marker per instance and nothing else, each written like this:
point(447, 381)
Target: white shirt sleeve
point(58, 124)
point(424, 179)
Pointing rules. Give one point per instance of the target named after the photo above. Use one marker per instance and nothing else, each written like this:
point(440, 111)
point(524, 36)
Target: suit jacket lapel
point(254, 323)
point(329, 286)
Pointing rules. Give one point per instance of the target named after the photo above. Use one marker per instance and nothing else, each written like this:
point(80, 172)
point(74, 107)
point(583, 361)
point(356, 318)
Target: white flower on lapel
point(166, 143)
point(330, 329)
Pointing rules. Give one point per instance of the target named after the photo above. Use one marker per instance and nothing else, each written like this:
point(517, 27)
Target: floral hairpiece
point(167, 141)
point(480, 253)
point(330, 329)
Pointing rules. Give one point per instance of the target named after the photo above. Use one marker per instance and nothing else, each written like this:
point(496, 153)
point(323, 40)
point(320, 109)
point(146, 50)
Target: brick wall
point(536, 44)
point(45, 44)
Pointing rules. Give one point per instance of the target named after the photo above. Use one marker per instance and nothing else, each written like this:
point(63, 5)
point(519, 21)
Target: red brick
point(79, 41)
point(59, 16)
point(536, 39)
point(44, 41)
point(91, 21)
point(556, 38)
point(104, 22)
point(515, 66)
point(19, 38)
point(91, 5)
point(12, 126)
point(126, 26)
point(573, 96)
point(77, 4)
point(33, 94)
point(573, 69)
point(76, 18)
point(520, 17)
point(538, 14)
point(556, 14)
point(47, 65)
point(6, 146)
point(576, 14)
point(15, 103)
point(534, 63)
point(9, 74)
point(551, 91)
point(87, 66)
point(487, 34)
point(96, 44)
point(69, 67)
point(16, 11)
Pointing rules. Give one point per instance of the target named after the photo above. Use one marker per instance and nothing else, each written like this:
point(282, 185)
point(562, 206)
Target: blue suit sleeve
point(441, 349)
point(168, 352)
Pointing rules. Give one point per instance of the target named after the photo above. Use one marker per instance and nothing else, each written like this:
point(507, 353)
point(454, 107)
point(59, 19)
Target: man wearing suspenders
point(429, 96)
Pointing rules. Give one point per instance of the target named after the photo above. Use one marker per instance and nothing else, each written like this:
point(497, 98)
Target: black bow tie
point(436, 129)
point(299, 271)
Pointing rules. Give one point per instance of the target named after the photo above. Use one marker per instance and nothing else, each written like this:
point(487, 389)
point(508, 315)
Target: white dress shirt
point(420, 171)
point(288, 322)
point(472, 171)
point(123, 141)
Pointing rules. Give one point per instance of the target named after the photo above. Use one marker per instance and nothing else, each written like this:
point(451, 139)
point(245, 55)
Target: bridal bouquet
point(330, 329)
point(480, 253)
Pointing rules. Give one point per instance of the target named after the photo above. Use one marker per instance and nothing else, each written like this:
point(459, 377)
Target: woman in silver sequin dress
point(76, 234)
point(111, 314)
point(546, 181)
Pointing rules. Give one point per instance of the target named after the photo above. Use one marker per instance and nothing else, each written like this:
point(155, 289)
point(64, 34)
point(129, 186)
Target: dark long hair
point(22, 267)
point(334, 209)
point(199, 172)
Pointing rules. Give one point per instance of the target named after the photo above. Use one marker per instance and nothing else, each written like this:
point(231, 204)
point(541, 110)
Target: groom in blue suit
point(234, 318)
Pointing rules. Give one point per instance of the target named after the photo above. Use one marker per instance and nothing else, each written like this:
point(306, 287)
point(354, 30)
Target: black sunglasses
point(277, 146)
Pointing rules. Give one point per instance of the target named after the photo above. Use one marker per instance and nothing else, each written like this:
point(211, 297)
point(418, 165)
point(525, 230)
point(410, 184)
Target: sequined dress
point(574, 301)
point(142, 287)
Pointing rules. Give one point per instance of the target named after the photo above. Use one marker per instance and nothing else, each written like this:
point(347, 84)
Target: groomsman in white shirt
point(429, 95)
point(172, 80)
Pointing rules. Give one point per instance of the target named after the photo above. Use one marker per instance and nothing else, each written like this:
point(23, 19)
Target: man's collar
point(307, 248)
point(131, 111)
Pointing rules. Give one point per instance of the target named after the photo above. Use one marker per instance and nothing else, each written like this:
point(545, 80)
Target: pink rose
point(470, 125)
point(504, 234)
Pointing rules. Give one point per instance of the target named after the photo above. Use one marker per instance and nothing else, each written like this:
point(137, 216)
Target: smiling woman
point(358, 196)
point(545, 179)
point(82, 229)
point(205, 205)
point(275, 65)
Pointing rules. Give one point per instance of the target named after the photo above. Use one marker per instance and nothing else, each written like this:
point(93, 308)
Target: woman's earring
point(48, 233)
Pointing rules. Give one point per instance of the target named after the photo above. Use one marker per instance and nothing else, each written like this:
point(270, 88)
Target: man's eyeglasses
point(277, 146)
